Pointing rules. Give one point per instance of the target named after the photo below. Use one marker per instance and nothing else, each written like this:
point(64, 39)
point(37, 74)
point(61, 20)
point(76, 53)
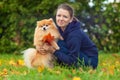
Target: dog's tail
point(28, 56)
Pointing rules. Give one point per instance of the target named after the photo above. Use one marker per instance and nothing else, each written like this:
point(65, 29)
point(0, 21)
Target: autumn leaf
point(40, 68)
point(0, 62)
point(20, 62)
point(4, 72)
point(111, 69)
point(104, 64)
point(12, 62)
point(76, 78)
point(58, 72)
point(48, 38)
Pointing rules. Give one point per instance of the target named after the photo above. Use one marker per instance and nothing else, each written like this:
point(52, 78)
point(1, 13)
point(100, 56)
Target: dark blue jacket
point(76, 41)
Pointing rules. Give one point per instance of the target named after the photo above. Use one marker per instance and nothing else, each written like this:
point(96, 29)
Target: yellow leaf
point(117, 63)
point(20, 62)
point(0, 62)
point(11, 62)
point(5, 71)
point(58, 72)
point(111, 69)
point(40, 68)
point(104, 64)
point(76, 78)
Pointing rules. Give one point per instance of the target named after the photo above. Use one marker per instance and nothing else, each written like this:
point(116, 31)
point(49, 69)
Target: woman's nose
point(61, 18)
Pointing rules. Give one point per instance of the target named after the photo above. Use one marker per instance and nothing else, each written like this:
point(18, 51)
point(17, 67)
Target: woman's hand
point(49, 48)
point(40, 49)
point(45, 48)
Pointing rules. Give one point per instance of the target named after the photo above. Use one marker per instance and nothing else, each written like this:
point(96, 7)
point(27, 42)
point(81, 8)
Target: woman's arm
point(72, 54)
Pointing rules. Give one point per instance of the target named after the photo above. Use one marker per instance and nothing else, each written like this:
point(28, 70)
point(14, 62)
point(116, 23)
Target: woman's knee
point(94, 62)
point(89, 61)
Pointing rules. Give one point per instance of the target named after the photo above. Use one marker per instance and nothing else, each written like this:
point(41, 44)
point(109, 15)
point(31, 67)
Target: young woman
point(76, 48)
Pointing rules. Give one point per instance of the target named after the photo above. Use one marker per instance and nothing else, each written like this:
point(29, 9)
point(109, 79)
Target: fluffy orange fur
point(46, 32)
point(43, 28)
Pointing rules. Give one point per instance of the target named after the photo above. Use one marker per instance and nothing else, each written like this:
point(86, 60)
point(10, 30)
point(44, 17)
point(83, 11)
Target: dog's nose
point(44, 28)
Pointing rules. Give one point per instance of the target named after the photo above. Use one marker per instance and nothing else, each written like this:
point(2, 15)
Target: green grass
point(108, 69)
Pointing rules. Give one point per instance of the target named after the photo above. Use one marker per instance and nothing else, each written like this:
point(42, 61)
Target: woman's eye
point(65, 16)
point(58, 15)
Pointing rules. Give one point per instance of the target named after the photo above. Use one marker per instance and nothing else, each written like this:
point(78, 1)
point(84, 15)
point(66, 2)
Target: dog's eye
point(40, 26)
point(46, 25)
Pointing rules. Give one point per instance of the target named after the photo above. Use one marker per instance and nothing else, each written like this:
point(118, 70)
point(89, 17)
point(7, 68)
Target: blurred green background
point(100, 19)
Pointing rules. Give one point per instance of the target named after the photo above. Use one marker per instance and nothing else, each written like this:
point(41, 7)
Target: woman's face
point(63, 18)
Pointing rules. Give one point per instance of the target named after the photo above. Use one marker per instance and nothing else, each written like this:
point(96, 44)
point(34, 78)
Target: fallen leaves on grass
point(16, 63)
point(107, 67)
point(110, 66)
point(4, 72)
point(11, 63)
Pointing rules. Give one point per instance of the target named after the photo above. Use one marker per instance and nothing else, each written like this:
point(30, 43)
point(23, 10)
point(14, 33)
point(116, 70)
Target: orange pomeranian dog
point(46, 32)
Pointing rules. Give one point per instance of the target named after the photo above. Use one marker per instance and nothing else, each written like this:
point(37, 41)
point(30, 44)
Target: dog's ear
point(38, 22)
point(50, 19)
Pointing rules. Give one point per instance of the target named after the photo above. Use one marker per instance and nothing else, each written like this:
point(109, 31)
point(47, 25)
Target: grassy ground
point(12, 68)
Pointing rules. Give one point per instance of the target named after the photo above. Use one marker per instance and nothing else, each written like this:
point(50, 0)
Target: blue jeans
point(83, 59)
point(89, 60)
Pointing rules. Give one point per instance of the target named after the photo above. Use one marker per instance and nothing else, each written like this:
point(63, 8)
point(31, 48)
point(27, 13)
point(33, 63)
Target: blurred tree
point(18, 21)
point(101, 20)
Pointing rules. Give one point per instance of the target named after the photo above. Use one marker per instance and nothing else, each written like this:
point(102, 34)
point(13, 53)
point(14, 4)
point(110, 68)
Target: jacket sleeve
point(71, 57)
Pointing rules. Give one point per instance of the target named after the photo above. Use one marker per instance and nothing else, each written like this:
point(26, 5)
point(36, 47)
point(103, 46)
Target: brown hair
point(68, 8)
